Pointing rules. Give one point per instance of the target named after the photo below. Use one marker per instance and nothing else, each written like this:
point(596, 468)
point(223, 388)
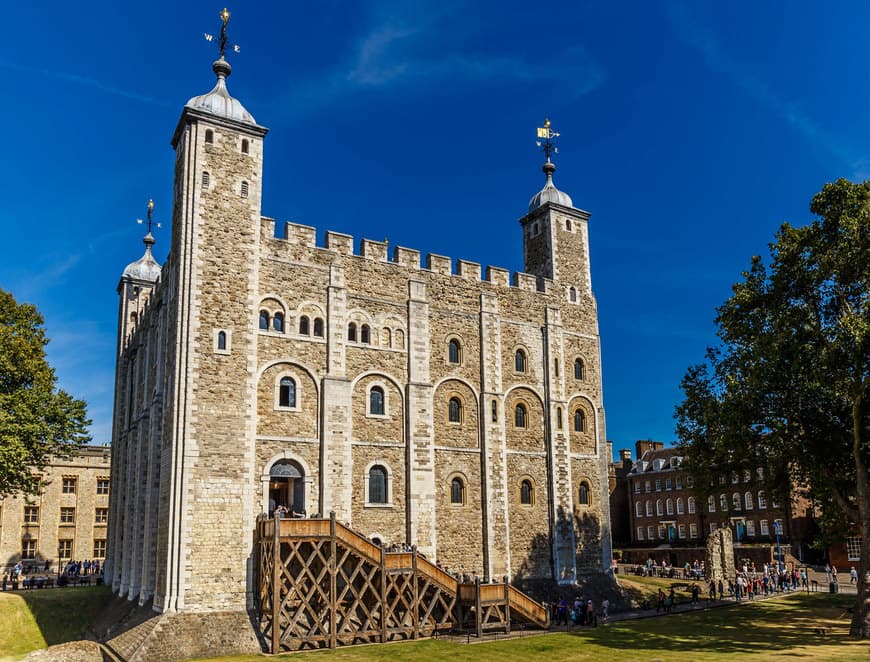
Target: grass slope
point(770, 630)
point(30, 620)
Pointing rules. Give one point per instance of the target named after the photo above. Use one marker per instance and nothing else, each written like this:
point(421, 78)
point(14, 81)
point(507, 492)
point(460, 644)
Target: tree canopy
point(37, 420)
point(787, 387)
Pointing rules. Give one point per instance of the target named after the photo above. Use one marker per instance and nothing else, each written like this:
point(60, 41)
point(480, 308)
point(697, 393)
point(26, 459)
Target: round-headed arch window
point(579, 421)
point(454, 351)
point(520, 361)
point(457, 491)
point(378, 484)
point(527, 492)
point(583, 495)
point(521, 416)
point(376, 401)
point(454, 410)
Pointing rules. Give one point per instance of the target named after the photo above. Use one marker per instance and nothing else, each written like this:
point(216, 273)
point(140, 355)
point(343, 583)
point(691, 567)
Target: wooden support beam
point(478, 616)
point(276, 584)
point(416, 610)
point(333, 591)
point(383, 595)
point(507, 608)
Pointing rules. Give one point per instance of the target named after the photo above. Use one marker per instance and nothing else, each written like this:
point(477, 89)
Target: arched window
point(579, 369)
point(222, 340)
point(399, 337)
point(318, 327)
point(278, 322)
point(762, 500)
point(495, 411)
point(649, 508)
point(526, 493)
point(264, 320)
point(568, 224)
point(669, 506)
point(735, 500)
point(378, 484)
point(572, 294)
point(520, 416)
point(376, 401)
point(351, 332)
point(287, 392)
point(723, 503)
point(454, 351)
point(584, 494)
point(454, 410)
point(245, 146)
point(579, 421)
point(209, 136)
point(638, 509)
point(205, 179)
point(558, 418)
point(457, 491)
point(711, 504)
point(747, 499)
point(680, 508)
point(520, 361)
point(659, 508)
point(304, 326)
point(244, 189)
point(365, 334)
point(691, 505)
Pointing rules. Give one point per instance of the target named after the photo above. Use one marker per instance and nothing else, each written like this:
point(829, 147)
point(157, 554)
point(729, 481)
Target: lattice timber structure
point(321, 585)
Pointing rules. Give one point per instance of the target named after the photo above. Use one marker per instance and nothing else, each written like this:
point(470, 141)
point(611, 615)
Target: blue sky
point(690, 131)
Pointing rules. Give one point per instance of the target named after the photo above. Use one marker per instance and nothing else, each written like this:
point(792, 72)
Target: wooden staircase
point(320, 585)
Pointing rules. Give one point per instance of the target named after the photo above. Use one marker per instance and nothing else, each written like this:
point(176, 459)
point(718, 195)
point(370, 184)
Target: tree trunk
point(861, 618)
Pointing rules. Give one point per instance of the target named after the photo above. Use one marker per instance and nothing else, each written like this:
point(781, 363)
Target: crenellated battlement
point(409, 258)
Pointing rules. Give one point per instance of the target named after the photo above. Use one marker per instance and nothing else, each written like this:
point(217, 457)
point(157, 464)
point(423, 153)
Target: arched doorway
point(287, 487)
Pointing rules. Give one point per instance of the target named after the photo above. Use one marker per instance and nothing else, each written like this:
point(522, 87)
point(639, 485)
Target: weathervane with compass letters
point(222, 43)
point(150, 220)
point(545, 139)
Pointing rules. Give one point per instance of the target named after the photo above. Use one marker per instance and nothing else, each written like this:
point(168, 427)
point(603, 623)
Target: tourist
point(661, 601)
point(827, 573)
point(712, 590)
point(695, 590)
point(590, 613)
point(563, 612)
point(605, 608)
point(853, 575)
point(721, 590)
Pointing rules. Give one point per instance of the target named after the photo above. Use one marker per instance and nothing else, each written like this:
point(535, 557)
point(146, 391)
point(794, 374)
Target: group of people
point(86, 567)
point(283, 512)
point(653, 568)
point(578, 612)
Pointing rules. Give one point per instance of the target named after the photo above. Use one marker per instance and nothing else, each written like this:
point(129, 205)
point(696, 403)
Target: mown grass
point(647, 588)
point(30, 620)
point(775, 629)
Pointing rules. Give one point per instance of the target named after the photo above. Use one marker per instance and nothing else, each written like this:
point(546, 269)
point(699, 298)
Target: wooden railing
point(445, 580)
point(530, 609)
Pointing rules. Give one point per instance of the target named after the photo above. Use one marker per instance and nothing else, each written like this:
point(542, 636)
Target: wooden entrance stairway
point(321, 585)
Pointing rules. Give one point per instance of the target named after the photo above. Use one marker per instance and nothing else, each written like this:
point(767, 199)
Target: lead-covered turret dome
point(146, 267)
point(549, 193)
point(218, 101)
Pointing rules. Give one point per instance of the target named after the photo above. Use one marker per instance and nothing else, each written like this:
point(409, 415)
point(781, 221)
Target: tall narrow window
point(318, 327)
point(690, 503)
point(762, 500)
point(351, 332)
point(747, 498)
point(378, 484)
point(365, 334)
point(454, 351)
point(205, 180)
point(304, 326)
point(245, 146)
point(278, 322)
point(264, 320)
point(572, 294)
point(520, 361)
point(579, 421)
point(209, 136)
point(520, 416)
point(556, 367)
point(376, 401)
point(681, 509)
point(526, 493)
point(495, 411)
point(558, 418)
point(579, 369)
point(457, 491)
point(244, 189)
point(584, 494)
point(669, 504)
point(454, 409)
point(222, 340)
point(287, 392)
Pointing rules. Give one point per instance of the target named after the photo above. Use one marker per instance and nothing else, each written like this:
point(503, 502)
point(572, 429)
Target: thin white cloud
point(77, 79)
point(700, 36)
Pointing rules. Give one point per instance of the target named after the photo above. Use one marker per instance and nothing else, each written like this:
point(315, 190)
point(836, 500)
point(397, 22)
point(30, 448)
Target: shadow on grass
point(63, 614)
point(786, 622)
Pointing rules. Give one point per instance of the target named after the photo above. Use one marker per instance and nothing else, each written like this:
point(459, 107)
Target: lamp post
point(777, 527)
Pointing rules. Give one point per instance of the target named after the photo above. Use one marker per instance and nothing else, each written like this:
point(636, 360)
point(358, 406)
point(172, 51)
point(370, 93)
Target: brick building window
point(762, 501)
point(750, 528)
point(650, 533)
point(64, 549)
point(713, 527)
point(638, 509)
point(711, 504)
point(637, 487)
point(658, 485)
point(101, 516)
point(747, 498)
point(679, 482)
point(67, 515)
point(661, 531)
point(764, 527)
point(640, 533)
point(735, 500)
point(649, 508)
point(68, 486)
point(681, 530)
point(28, 548)
point(454, 410)
point(693, 530)
point(853, 548)
point(723, 503)
point(99, 549)
point(457, 491)
point(668, 484)
point(526, 493)
point(670, 506)
point(659, 508)
point(31, 514)
point(690, 502)
point(647, 487)
point(690, 482)
point(680, 508)
point(102, 485)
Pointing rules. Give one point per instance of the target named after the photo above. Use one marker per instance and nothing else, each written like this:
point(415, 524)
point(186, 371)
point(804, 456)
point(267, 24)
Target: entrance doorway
point(286, 487)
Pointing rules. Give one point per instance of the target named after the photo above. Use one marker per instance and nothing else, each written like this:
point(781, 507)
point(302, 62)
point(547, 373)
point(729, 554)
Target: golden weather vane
point(545, 139)
point(150, 220)
point(222, 42)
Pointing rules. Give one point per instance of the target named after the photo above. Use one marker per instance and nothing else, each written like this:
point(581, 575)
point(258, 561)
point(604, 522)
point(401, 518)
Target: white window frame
point(386, 391)
point(693, 530)
point(681, 531)
point(853, 548)
point(229, 336)
point(764, 527)
point(295, 377)
point(379, 463)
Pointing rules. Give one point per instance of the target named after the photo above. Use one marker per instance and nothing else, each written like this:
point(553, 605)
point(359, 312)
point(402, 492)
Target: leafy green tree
point(37, 420)
point(788, 387)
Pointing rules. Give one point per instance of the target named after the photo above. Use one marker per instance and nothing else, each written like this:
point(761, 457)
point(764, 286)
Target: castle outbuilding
point(440, 405)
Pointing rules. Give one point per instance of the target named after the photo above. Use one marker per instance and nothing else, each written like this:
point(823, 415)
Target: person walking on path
point(660, 605)
point(853, 575)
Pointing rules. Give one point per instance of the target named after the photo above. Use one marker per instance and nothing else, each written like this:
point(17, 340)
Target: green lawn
point(769, 630)
point(647, 588)
point(30, 620)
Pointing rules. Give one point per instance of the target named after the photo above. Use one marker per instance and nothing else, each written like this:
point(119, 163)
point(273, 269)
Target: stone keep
point(455, 410)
